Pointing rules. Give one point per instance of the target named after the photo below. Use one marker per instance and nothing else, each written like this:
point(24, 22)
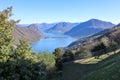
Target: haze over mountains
point(42, 26)
point(62, 27)
point(81, 29)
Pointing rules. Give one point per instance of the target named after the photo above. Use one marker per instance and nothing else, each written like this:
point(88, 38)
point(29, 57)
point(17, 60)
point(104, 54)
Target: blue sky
point(38, 11)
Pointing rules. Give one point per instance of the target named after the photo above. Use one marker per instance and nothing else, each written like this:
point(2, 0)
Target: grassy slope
point(108, 69)
point(105, 68)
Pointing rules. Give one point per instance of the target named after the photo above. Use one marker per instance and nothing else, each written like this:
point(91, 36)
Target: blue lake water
point(49, 44)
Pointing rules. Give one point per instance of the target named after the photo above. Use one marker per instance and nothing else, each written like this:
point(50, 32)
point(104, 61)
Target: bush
point(83, 53)
point(99, 50)
point(68, 56)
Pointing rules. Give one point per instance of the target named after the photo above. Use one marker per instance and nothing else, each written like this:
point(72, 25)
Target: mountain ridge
point(105, 36)
point(29, 34)
point(61, 27)
point(89, 27)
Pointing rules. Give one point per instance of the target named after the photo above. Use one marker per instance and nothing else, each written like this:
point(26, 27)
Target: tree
point(99, 49)
point(83, 52)
point(16, 63)
point(113, 46)
point(58, 53)
point(6, 30)
point(68, 56)
point(23, 51)
point(58, 61)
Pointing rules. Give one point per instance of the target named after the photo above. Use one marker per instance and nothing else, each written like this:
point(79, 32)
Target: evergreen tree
point(16, 63)
point(23, 50)
point(6, 30)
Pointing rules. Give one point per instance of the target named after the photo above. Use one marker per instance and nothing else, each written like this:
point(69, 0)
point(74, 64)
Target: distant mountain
point(46, 26)
point(34, 27)
point(61, 27)
point(105, 36)
point(29, 34)
point(42, 26)
point(89, 27)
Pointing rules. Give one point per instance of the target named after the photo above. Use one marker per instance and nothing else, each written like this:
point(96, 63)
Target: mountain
point(89, 27)
point(46, 26)
point(92, 67)
point(102, 68)
point(29, 34)
point(61, 27)
point(105, 36)
point(42, 26)
point(84, 40)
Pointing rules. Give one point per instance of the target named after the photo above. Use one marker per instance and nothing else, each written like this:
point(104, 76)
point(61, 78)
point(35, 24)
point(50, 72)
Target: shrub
point(83, 53)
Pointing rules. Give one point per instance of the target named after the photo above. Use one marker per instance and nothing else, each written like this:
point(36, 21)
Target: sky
point(49, 11)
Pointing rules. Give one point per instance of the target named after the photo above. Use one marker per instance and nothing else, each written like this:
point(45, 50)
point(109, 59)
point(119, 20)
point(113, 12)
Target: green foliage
point(68, 56)
point(113, 46)
point(19, 63)
point(67, 53)
point(109, 69)
point(6, 29)
point(23, 50)
point(83, 53)
point(57, 53)
point(100, 46)
point(23, 65)
point(104, 68)
point(47, 58)
point(99, 49)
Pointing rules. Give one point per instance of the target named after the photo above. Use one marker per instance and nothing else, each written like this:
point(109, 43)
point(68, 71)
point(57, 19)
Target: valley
point(53, 32)
point(59, 40)
point(93, 52)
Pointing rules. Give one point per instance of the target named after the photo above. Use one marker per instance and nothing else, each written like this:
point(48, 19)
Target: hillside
point(29, 34)
point(104, 36)
point(107, 67)
point(62, 27)
point(89, 27)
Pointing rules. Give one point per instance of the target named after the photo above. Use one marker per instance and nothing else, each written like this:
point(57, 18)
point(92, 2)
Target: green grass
point(110, 72)
point(105, 68)
point(109, 69)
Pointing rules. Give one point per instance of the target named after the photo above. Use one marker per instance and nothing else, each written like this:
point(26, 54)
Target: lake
point(51, 41)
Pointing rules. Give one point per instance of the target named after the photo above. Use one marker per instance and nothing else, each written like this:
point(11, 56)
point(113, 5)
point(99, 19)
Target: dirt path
point(83, 60)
